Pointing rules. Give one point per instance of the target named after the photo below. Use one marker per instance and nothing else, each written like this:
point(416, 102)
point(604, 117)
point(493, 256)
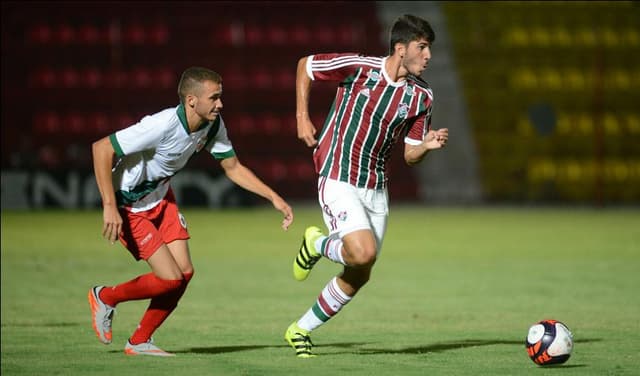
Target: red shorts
point(144, 232)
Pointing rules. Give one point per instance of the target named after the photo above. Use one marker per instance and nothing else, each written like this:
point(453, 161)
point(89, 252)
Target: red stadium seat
point(261, 78)
point(300, 35)
point(49, 157)
point(276, 35)
point(164, 78)
point(253, 34)
point(91, 78)
point(65, 34)
point(135, 34)
point(73, 123)
point(44, 77)
point(323, 35)
point(98, 124)
point(141, 78)
point(46, 123)
point(159, 34)
point(269, 123)
point(69, 78)
point(115, 79)
point(285, 78)
point(89, 35)
point(40, 34)
point(234, 78)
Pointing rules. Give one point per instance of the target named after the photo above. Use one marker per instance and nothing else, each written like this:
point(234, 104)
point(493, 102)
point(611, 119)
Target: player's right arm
point(103, 153)
point(306, 129)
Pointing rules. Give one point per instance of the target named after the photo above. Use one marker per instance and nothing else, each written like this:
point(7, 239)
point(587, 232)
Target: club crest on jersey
point(403, 110)
point(342, 216)
point(201, 142)
point(373, 75)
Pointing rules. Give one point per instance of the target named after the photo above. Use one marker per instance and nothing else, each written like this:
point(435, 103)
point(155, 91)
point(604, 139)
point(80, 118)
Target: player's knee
point(188, 274)
point(364, 257)
point(169, 285)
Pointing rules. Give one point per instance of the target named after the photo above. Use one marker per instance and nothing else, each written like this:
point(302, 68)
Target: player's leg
point(142, 239)
point(162, 306)
point(362, 228)
point(343, 213)
point(173, 228)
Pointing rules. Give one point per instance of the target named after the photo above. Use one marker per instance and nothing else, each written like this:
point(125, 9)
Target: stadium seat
point(89, 34)
point(64, 34)
point(40, 34)
point(135, 34)
point(69, 78)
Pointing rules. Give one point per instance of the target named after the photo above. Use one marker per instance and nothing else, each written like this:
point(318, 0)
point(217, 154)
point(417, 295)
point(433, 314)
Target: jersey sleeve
point(332, 66)
point(220, 145)
point(418, 130)
point(421, 124)
point(144, 135)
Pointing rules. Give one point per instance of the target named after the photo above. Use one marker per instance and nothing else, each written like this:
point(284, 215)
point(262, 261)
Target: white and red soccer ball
point(549, 342)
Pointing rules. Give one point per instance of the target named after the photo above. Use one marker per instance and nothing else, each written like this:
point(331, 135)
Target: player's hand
point(285, 209)
point(112, 223)
point(307, 132)
point(437, 139)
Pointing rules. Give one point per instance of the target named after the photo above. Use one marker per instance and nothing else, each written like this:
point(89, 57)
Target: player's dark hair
point(192, 78)
point(408, 28)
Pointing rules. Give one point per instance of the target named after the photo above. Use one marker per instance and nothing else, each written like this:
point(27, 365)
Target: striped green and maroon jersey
point(369, 113)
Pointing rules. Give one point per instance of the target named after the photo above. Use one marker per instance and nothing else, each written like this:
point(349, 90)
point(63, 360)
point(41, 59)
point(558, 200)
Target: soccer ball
point(549, 342)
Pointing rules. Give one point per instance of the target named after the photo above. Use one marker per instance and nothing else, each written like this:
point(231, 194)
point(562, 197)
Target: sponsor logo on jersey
point(409, 90)
point(373, 75)
point(365, 92)
point(183, 221)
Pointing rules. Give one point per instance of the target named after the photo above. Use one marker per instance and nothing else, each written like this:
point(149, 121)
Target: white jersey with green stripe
point(369, 114)
point(153, 150)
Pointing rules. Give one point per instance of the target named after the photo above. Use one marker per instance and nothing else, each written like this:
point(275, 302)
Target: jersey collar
point(182, 115)
point(388, 78)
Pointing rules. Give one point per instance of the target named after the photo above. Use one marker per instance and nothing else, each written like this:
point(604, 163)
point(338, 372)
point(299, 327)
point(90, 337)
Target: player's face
point(417, 56)
point(208, 102)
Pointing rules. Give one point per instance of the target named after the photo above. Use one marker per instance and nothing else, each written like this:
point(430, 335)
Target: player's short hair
point(192, 78)
point(408, 28)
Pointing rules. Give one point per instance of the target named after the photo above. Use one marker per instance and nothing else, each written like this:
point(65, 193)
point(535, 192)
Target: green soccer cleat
point(299, 339)
point(308, 254)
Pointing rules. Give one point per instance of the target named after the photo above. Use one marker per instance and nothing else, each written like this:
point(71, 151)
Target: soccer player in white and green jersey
point(133, 168)
point(378, 101)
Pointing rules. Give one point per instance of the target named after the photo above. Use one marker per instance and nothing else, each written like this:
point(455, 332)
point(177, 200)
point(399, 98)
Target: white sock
point(329, 303)
point(331, 248)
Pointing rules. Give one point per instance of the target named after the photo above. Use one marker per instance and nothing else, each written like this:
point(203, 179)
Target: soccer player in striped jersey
point(139, 207)
point(379, 100)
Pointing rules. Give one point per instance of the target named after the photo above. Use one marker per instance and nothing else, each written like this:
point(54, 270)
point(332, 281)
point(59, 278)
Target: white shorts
point(346, 208)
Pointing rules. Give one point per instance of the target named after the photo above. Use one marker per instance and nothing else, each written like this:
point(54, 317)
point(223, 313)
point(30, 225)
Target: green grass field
point(453, 293)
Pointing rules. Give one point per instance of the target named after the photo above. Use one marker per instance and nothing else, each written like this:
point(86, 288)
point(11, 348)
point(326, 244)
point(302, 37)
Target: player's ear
point(400, 49)
point(191, 100)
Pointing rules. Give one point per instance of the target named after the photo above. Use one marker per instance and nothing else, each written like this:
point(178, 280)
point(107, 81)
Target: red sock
point(159, 309)
point(142, 287)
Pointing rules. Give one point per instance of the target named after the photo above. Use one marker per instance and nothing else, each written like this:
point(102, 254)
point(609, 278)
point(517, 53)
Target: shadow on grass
point(357, 347)
point(453, 345)
point(41, 324)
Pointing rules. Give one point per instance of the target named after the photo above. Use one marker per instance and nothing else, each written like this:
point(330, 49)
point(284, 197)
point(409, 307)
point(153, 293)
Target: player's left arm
point(434, 139)
point(244, 177)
